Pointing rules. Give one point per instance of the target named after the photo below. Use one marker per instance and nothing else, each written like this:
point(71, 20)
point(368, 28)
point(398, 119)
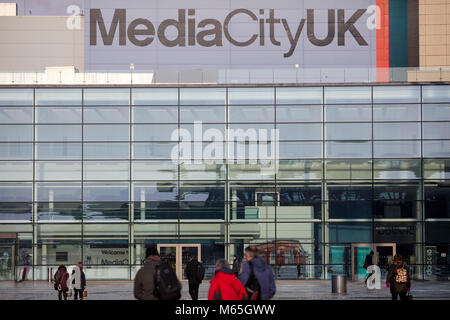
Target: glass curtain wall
point(97, 174)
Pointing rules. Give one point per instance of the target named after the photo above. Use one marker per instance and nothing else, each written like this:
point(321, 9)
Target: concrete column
point(142, 204)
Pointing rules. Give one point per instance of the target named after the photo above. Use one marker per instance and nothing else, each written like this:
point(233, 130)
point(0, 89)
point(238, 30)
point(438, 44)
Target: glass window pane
point(58, 115)
point(237, 96)
point(437, 201)
point(16, 192)
point(436, 130)
point(189, 114)
point(154, 132)
point(58, 97)
point(252, 171)
point(16, 171)
point(436, 112)
point(396, 112)
point(203, 96)
point(155, 96)
point(203, 171)
point(300, 131)
point(154, 170)
point(348, 131)
point(396, 94)
point(117, 132)
point(397, 169)
point(59, 211)
point(396, 149)
point(16, 133)
point(440, 149)
point(396, 131)
point(111, 150)
point(107, 114)
point(344, 95)
point(16, 97)
point(156, 114)
point(299, 169)
point(436, 169)
point(440, 93)
point(51, 191)
point(349, 169)
point(350, 232)
point(155, 191)
point(106, 96)
point(299, 113)
point(113, 191)
point(154, 150)
point(301, 95)
point(16, 151)
point(58, 170)
point(348, 113)
point(58, 151)
point(296, 150)
point(58, 133)
point(348, 149)
point(107, 170)
point(105, 211)
point(251, 114)
point(16, 115)
point(207, 132)
point(18, 211)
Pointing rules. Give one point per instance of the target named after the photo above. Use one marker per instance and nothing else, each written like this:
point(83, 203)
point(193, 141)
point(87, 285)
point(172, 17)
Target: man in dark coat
point(144, 282)
point(193, 273)
point(258, 268)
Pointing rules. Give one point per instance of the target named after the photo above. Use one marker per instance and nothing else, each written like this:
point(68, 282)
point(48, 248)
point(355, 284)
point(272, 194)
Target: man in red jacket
point(225, 285)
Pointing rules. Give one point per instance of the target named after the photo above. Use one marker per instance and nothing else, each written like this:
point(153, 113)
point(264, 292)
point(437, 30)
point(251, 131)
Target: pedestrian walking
point(61, 279)
point(195, 273)
point(156, 280)
point(78, 282)
point(225, 285)
point(367, 263)
point(398, 279)
point(257, 276)
point(236, 265)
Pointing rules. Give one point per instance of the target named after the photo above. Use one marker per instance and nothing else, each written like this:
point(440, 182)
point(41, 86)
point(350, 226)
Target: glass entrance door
point(178, 255)
point(383, 254)
point(359, 252)
point(6, 262)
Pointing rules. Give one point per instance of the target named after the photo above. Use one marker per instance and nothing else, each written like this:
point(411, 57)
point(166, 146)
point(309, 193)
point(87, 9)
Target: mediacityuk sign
point(192, 34)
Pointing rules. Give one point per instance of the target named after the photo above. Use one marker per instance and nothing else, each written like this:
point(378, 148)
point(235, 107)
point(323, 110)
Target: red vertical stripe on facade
point(383, 42)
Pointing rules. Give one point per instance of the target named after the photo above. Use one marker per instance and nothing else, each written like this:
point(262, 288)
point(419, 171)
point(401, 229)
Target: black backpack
point(252, 286)
point(167, 286)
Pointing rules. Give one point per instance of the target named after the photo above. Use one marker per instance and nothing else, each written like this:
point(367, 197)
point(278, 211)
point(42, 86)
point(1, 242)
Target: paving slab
point(286, 290)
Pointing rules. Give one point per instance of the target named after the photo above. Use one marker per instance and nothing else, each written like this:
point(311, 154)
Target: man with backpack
point(195, 273)
point(257, 276)
point(156, 280)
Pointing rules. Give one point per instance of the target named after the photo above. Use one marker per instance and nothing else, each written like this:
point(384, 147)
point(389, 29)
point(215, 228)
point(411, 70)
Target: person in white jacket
point(78, 281)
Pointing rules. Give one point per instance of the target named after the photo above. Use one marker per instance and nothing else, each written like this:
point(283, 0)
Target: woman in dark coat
point(398, 278)
point(61, 277)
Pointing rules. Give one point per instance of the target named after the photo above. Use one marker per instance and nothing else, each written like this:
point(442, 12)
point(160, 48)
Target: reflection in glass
point(17, 133)
point(345, 95)
point(202, 96)
point(396, 149)
point(300, 95)
point(300, 131)
point(16, 171)
point(299, 113)
point(396, 131)
point(348, 113)
point(16, 151)
point(16, 115)
point(58, 170)
point(106, 115)
point(399, 94)
point(436, 112)
point(154, 170)
point(348, 131)
point(58, 97)
point(16, 97)
point(348, 149)
point(116, 132)
point(397, 169)
point(106, 96)
point(155, 114)
point(112, 150)
point(435, 94)
point(58, 133)
point(106, 170)
point(237, 96)
point(251, 114)
point(58, 151)
point(58, 115)
point(436, 130)
point(396, 112)
point(155, 96)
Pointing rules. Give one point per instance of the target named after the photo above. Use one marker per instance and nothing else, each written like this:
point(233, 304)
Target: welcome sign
point(241, 34)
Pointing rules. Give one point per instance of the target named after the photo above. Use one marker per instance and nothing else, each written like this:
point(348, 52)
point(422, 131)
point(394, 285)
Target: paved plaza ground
point(286, 290)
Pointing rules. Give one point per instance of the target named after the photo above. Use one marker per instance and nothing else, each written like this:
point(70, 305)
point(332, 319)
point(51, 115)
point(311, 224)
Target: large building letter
point(343, 27)
point(216, 31)
point(227, 33)
point(180, 24)
point(120, 17)
point(148, 31)
point(310, 28)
